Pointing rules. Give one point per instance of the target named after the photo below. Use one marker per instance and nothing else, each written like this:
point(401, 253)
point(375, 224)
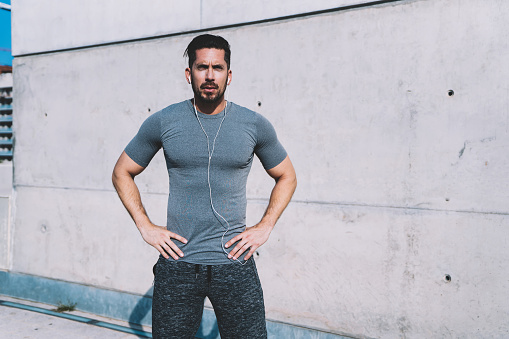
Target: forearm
point(254, 237)
point(129, 194)
point(279, 199)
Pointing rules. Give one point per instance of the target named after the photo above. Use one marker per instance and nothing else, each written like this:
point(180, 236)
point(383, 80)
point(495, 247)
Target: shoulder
point(174, 114)
point(175, 109)
point(155, 122)
point(257, 123)
point(247, 115)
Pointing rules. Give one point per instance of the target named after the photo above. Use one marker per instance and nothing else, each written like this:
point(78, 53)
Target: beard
point(205, 97)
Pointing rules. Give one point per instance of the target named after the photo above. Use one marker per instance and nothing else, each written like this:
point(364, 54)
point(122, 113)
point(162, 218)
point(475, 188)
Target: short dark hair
point(208, 41)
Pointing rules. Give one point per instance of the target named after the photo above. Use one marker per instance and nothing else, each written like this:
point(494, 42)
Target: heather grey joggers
point(233, 289)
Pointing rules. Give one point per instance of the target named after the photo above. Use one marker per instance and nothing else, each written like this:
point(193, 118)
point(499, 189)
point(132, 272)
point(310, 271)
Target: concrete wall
point(74, 24)
point(401, 183)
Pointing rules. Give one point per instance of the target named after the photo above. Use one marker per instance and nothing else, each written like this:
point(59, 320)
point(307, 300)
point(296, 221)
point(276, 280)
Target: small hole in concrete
point(450, 92)
point(259, 103)
point(447, 278)
point(446, 199)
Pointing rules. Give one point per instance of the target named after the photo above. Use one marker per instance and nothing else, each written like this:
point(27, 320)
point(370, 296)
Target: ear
point(229, 77)
point(188, 75)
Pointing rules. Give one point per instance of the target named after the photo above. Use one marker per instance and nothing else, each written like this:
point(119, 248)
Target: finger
point(244, 248)
point(175, 248)
point(250, 254)
point(162, 251)
point(233, 240)
point(166, 248)
point(178, 237)
point(237, 248)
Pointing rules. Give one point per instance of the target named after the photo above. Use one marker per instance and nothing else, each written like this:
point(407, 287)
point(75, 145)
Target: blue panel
point(108, 303)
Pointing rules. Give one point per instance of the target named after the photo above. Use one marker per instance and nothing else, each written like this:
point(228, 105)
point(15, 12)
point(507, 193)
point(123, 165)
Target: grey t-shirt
point(177, 130)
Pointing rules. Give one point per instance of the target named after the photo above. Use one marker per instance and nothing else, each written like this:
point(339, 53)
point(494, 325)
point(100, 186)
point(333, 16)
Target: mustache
point(209, 84)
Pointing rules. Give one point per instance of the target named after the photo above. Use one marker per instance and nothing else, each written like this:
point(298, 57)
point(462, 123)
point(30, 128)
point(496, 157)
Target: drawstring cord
point(209, 272)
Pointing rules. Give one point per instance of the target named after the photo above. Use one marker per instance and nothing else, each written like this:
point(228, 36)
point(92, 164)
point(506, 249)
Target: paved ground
point(16, 322)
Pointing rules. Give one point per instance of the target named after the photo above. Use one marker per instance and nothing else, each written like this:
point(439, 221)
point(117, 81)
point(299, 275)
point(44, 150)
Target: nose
point(209, 75)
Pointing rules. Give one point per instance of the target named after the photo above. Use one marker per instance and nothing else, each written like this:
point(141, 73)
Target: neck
point(210, 107)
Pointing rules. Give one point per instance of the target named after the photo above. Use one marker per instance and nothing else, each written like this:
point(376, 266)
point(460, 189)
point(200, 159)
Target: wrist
point(267, 224)
point(144, 226)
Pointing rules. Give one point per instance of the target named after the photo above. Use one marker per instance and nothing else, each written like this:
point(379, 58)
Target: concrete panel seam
point(69, 188)
point(222, 27)
point(347, 204)
point(294, 201)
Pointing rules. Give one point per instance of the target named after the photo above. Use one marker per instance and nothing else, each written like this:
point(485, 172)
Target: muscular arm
point(254, 237)
point(157, 236)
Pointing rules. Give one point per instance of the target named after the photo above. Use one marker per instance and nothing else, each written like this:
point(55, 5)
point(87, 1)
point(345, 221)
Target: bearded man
point(205, 248)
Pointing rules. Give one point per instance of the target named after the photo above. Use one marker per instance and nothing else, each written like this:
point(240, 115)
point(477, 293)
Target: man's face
point(209, 75)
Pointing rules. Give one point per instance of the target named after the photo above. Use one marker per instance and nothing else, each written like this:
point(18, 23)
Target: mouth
point(209, 87)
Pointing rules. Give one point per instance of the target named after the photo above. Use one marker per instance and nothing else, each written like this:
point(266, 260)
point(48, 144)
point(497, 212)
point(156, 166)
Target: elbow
point(114, 178)
point(116, 175)
point(294, 181)
point(120, 175)
point(290, 179)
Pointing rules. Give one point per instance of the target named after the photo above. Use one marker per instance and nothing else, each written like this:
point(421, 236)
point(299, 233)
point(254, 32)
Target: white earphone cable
point(210, 153)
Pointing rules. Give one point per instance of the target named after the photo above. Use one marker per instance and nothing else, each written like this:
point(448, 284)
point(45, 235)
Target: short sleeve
point(142, 148)
point(268, 148)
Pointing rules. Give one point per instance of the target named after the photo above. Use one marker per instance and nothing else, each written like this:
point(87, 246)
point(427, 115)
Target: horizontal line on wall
point(67, 188)
point(294, 201)
point(202, 30)
point(89, 189)
point(348, 204)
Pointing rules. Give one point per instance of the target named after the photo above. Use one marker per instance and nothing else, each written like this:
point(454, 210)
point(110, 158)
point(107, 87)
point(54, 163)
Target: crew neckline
point(209, 116)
